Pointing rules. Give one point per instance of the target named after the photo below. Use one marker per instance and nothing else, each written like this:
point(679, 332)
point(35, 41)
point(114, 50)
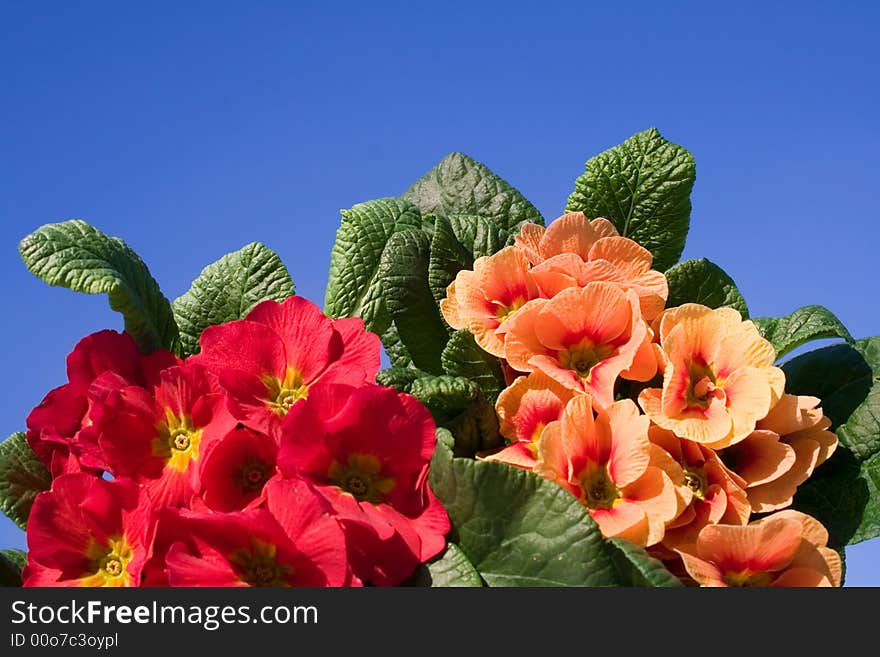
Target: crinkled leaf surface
point(227, 289)
point(78, 256)
point(702, 281)
point(799, 327)
point(643, 186)
point(22, 477)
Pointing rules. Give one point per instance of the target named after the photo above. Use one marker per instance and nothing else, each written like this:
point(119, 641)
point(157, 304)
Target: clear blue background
point(190, 129)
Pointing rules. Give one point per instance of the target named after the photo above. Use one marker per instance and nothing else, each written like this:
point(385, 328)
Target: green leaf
point(22, 477)
point(11, 563)
point(844, 493)
point(465, 358)
point(643, 186)
point(399, 378)
point(450, 569)
point(227, 289)
point(395, 349)
point(354, 287)
point(403, 273)
point(459, 405)
point(638, 568)
point(457, 242)
point(803, 325)
point(702, 281)
point(78, 256)
point(460, 185)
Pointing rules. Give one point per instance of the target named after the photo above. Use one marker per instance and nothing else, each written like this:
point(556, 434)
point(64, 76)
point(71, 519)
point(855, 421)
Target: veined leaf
point(22, 477)
point(844, 493)
point(403, 276)
point(702, 281)
point(461, 185)
point(643, 186)
point(518, 529)
point(354, 287)
point(78, 256)
point(227, 289)
point(803, 325)
point(457, 242)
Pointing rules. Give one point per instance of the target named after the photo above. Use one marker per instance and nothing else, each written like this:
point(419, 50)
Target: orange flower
point(483, 299)
point(719, 378)
point(572, 251)
point(605, 459)
point(712, 495)
point(524, 409)
point(787, 548)
point(782, 452)
point(584, 338)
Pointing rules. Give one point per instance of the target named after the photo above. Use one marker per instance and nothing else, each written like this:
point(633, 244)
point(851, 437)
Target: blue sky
point(191, 129)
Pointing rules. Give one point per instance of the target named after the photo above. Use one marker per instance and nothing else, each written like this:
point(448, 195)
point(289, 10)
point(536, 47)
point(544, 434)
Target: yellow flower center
point(747, 578)
point(702, 386)
point(695, 479)
point(177, 441)
point(503, 313)
point(283, 394)
point(584, 356)
point(362, 478)
point(600, 492)
point(108, 563)
point(258, 566)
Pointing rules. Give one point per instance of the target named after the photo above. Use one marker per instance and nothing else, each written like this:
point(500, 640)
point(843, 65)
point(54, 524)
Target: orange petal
point(518, 454)
point(631, 258)
point(704, 573)
point(521, 341)
point(791, 414)
point(603, 228)
point(779, 493)
point(529, 404)
point(761, 547)
point(528, 240)
point(801, 578)
point(630, 448)
point(600, 311)
point(623, 520)
point(760, 458)
point(748, 399)
point(570, 233)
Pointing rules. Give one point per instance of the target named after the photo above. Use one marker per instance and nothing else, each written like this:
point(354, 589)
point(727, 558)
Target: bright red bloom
point(236, 468)
point(367, 451)
point(86, 531)
point(157, 437)
point(56, 424)
point(292, 542)
point(269, 360)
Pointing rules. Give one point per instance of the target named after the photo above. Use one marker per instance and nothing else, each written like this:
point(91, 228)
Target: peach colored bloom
point(787, 548)
point(712, 494)
point(719, 378)
point(605, 459)
point(573, 251)
point(584, 338)
point(524, 409)
point(782, 452)
point(480, 300)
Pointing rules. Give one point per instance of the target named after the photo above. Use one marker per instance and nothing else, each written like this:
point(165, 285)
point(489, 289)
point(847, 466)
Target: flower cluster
point(270, 458)
point(671, 425)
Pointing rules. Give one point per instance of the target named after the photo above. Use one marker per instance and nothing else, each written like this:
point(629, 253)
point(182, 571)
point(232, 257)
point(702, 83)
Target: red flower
point(236, 469)
point(156, 437)
point(269, 360)
point(56, 424)
point(292, 542)
point(86, 531)
point(367, 451)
